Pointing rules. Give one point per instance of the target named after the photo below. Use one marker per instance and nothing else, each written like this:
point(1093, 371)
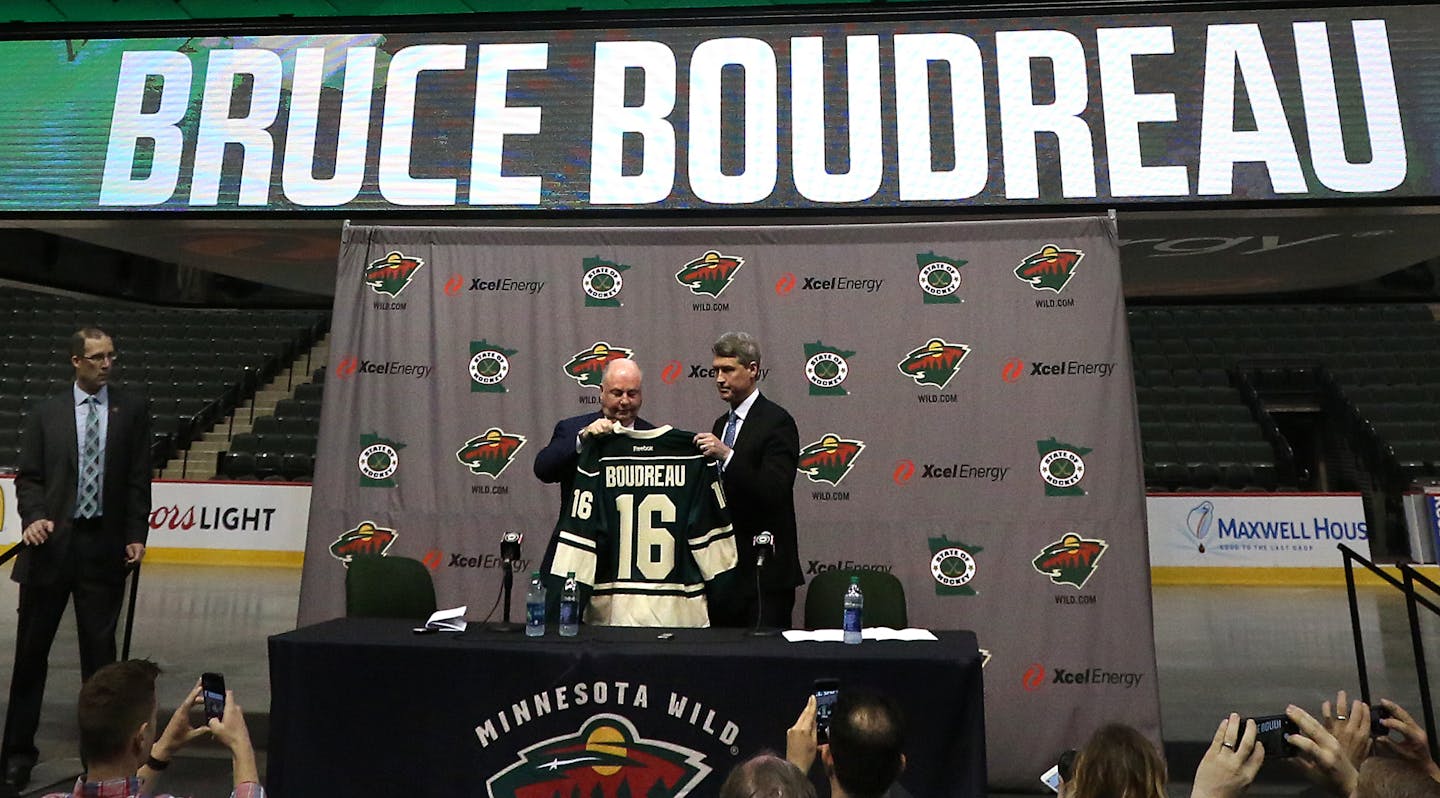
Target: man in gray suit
point(83, 493)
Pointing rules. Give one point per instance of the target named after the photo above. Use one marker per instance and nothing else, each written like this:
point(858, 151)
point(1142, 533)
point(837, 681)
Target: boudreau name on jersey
point(645, 476)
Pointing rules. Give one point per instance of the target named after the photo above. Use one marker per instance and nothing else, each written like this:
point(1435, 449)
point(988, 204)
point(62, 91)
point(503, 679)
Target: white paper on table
point(868, 633)
point(448, 620)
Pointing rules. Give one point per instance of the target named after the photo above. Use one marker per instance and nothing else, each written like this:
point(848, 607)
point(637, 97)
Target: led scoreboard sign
point(1140, 108)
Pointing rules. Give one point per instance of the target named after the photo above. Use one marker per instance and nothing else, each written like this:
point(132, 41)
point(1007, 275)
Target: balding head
point(620, 397)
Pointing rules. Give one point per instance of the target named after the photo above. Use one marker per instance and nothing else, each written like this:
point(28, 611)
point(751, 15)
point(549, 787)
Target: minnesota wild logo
point(378, 461)
point(829, 459)
point(587, 366)
point(710, 273)
point(1050, 269)
point(601, 281)
point(939, 278)
point(826, 368)
point(953, 566)
point(1070, 560)
point(606, 758)
point(365, 539)
point(1062, 466)
point(392, 274)
point(934, 363)
point(489, 366)
point(491, 453)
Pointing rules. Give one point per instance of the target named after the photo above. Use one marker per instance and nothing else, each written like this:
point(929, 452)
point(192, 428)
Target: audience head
point(766, 776)
point(867, 735)
point(1118, 762)
point(1388, 777)
point(117, 711)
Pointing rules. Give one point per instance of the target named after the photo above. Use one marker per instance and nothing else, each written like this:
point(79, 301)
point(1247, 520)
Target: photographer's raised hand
point(1413, 744)
point(1231, 762)
point(800, 739)
point(1350, 723)
point(1320, 755)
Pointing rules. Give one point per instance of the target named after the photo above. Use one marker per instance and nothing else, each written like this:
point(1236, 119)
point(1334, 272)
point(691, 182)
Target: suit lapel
point(65, 416)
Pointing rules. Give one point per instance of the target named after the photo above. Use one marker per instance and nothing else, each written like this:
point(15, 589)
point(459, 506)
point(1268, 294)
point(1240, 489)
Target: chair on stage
point(884, 599)
point(377, 586)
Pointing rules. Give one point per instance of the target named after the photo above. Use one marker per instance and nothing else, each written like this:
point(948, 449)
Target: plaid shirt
point(130, 788)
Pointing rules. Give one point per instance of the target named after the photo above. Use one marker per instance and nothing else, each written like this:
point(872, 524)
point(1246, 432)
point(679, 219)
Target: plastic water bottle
point(535, 607)
point(570, 607)
point(854, 608)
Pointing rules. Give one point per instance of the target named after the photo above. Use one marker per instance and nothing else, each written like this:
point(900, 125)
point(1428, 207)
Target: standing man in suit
point(758, 449)
point(620, 400)
point(83, 493)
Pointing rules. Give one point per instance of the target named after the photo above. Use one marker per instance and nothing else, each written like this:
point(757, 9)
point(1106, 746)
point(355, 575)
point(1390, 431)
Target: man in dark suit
point(620, 400)
point(83, 493)
point(758, 447)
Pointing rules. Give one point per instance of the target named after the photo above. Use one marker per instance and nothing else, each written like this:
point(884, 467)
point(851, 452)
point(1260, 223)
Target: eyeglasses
point(101, 357)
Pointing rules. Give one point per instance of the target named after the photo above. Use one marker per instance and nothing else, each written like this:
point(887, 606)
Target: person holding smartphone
point(117, 714)
point(864, 756)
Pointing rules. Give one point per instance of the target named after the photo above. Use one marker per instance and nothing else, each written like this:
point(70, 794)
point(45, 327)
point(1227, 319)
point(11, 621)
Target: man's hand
point(711, 446)
point(1413, 743)
point(230, 729)
point(38, 532)
point(134, 553)
point(1231, 762)
point(800, 738)
point(1320, 755)
point(598, 427)
point(179, 732)
point(1350, 724)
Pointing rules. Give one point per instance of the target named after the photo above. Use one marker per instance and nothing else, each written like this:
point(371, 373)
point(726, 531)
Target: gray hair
point(742, 346)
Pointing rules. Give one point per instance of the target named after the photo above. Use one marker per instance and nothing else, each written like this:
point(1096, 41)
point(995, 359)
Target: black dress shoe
point(17, 772)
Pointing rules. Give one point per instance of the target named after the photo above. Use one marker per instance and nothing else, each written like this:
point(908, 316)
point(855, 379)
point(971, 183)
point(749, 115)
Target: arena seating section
point(1210, 380)
point(196, 365)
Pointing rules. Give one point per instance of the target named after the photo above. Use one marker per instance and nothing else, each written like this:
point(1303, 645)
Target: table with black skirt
point(368, 707)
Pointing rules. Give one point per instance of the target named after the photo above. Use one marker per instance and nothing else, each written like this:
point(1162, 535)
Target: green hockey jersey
point(646, 529)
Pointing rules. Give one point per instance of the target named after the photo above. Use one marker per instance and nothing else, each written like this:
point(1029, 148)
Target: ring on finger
point(1340, 717)
point(1231, 746)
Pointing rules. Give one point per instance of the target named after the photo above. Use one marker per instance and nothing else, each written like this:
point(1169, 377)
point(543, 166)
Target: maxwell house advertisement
point(1255, 530)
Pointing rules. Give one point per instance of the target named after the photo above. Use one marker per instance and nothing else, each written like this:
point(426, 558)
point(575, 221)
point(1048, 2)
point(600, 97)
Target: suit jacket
point(46, 482)
point(556, 463)
point(760, 491)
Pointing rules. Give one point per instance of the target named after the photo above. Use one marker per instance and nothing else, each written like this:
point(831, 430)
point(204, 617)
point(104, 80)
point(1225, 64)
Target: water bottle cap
point(534, 574)
point(854, 580)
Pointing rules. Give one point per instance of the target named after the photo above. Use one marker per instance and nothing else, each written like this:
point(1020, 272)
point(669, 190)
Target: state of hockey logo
point(392, 274)
point(1062, 467)
point(953, 566)
point(829, 459)
point(366, 539)
point(587, 366)
point(378, 461)
point(826, 369)
point(1050, 269)
point(939, 278)
point(489, 366)
point(606, 758)
point(490, 453)
point(710, 274)
point(601, 281)
point(935, 363)
point(1071, 560)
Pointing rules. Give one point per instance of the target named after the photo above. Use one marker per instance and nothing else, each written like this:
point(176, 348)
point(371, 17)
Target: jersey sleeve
point(583, 530)
point(712, 538)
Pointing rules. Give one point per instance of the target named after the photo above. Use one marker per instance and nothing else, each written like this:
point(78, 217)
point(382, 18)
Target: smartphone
point(827, 692)
point(1051, 778)
point(212, 690)
point(1379, 713)
point(1270, 731)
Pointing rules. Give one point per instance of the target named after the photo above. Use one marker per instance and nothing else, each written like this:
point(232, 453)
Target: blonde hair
point(1119, 762)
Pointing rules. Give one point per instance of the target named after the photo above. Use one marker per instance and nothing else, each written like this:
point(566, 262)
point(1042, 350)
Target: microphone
point(764, 546)
point(510, 546)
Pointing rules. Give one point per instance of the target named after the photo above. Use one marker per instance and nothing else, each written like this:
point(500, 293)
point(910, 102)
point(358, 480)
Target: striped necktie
point(89, 506)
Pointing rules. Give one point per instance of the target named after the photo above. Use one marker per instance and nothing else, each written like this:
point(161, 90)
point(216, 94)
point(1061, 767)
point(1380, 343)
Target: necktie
point(89, 506)
point(729, 436)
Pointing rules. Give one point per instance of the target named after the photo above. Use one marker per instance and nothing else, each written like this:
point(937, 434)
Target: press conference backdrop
point(963, 393)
